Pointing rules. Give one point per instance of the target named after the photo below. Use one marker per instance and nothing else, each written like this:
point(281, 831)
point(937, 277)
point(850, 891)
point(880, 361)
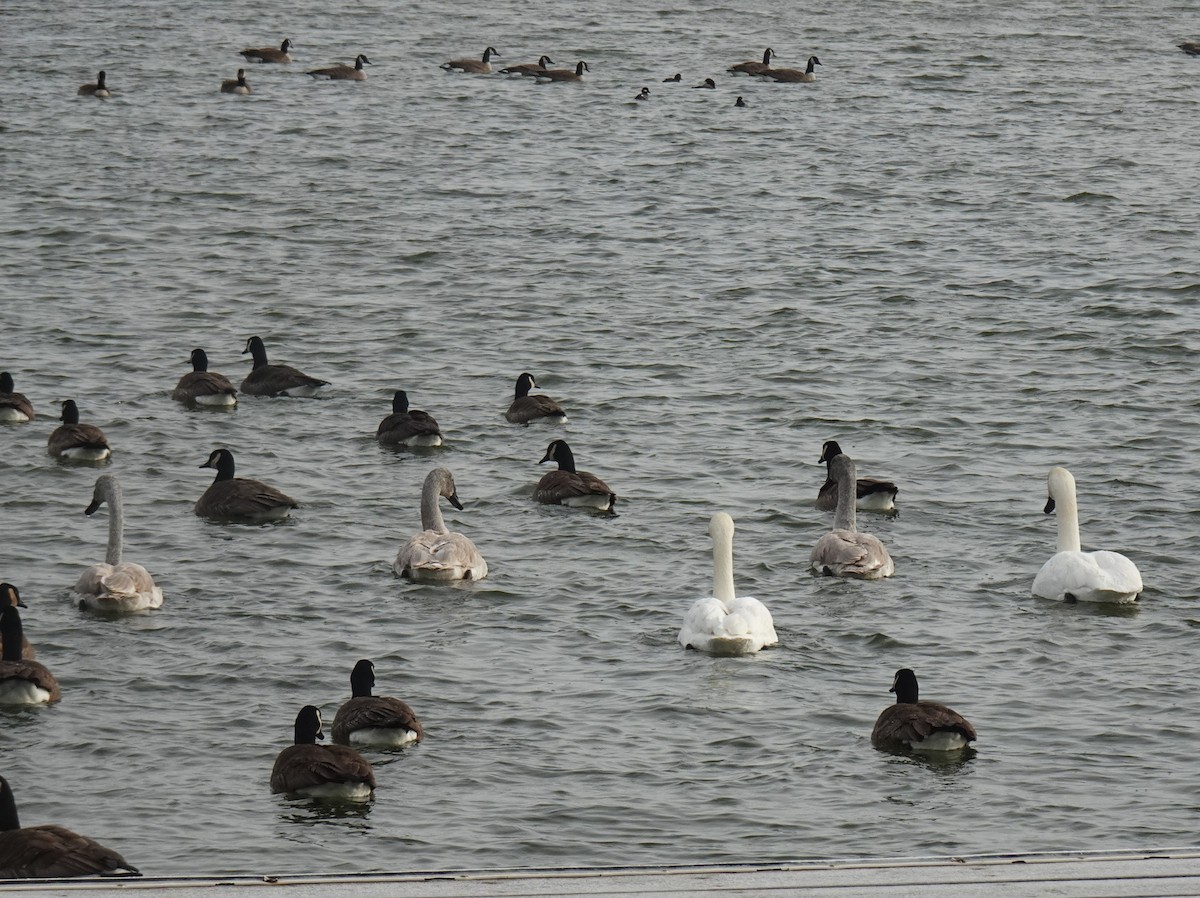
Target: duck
point(753, 67)
point(479, 66)
point(1071, 575)
point(307, 770)
point(914, 725)
point(706, 84)
point(526, 408)
point(528, 69)
point(236, 499)
point(269, 54)
point(377, 721)
point(870, 494)
point(203, 387)
point(437, 554)
point(575, 74)
point(343, 72)
point(10, 596)
point(115, 585)
point(408, 428)
point(794, 75)
point(266, 379)
point(845, 552)
point(23, 681)
point(724, 623)
point(677, 77)
point(99, 89)
point(740, 102)
point(1191, 48)
point(15, 408)
point(51, 852)
point(236, 85)
point(643, 94)
point(79, 442)
point(566, 486)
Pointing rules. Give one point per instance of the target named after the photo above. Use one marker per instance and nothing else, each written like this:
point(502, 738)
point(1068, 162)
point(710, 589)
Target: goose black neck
point(362, 679)
point(224, 465)
point(11, 631)
point(199, 360)
point(524, 383)
point(6, 382)
point(308, 726)
point(399, 403)
point(257, 350)
point(905, 687)
point(562, 454)
point(829, 452)
point(8, 808)
point(70, 412)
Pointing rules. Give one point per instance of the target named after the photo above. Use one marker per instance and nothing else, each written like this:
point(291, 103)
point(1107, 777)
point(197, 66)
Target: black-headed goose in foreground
point(269, 54)
point(754, 67)
point(871, 494)
point(915, 725)
point(844, 552)
point(10, 596)
point(50, 852)
point(526, 408)
point(528, 69)
point(794, 75)
point(236, 499)
point(115, 585)
point(479, 66)
point(15, 408)
point(266, 379)
point(408, 427)
point(566, 486)
point(308, 770)
point(98, 89)
point(438, 554)
point(374, 721)
point(236, 85)
point(23, 681)
point(575, 74)
point(203, 387)
point(79, 442)
point(343, 72)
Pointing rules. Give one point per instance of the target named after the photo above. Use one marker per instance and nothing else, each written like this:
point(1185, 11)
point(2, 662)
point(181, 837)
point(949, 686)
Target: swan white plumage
point(1073, 575)
point(436, 553)
point(844, 552)
point(724, 623)
point(115, 585)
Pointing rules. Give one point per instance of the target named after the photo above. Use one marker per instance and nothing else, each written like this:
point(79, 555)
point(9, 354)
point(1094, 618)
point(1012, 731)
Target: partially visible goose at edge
point(528, 69)
point(794, 75)
point(269, 54)
point(526, 408)
point(566, 486)
point(754, 67)
point(343, 72)
point(236, 85)
point(479, 66)
point(1072, 575)
point(437, 553)
point(23, 681)
point(79, 442)
point(203, 387)
point(266, 379)
point(309, 770)
point(844, 552)
point(236, 499)
point(115, 585)
point(15, 408)
point(405, 427)
point(376, 721)
point(575, 74)
point(49, 851)
point(725, 623)
point(917, 725)
point(1191, 48)
point(98, 89)
point(10, 596)
point(872, 494)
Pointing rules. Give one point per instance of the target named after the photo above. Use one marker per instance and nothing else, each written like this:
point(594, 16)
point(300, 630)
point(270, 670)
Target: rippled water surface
point(967, 252)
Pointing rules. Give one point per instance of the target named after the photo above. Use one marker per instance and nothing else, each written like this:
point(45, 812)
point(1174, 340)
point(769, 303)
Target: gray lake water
point(967, 252)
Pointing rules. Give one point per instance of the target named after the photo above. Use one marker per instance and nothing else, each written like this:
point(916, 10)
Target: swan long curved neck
point(116, 522)
point(844, 517)
point(723, 565)
point(431, 512)
point(1066, 508)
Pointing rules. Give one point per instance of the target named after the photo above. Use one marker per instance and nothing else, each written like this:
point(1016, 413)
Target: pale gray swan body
point(436, 553)
point(114, 584)
point(845, 552)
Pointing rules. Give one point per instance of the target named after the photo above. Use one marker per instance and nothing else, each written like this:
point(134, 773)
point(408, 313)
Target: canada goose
point(528, 69)
point(794, 75)
point(266, 379)
point(343, 72)
point(674, 78)
point(707, 84)
point(724, 623)
point(203, 387)
point(1072, 575)
point(10, 596)
point(474, 66)
point(320, 771)
point(917, 725)
point(14, 407)
point(50, 852)
point(377, 721)
point(1191, 48)
point(740, 102)
point(844, 552)
point(753, 67)
point(99, 89)
point(526, 408)
point(81, 442)
point(437, 553)
point(236, 499)
point(22, 681)
point(115, 585)
point(643, 94)
point(575, 74)
point(269, 54)
point(236, 85)
point(566, 486)
point(872, 494)
point(408, 428)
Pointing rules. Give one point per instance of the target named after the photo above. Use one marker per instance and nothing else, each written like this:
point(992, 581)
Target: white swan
point(844, 552)
point(723, 623)
point(1075, 576)
point(436, 553)
point(115, 585)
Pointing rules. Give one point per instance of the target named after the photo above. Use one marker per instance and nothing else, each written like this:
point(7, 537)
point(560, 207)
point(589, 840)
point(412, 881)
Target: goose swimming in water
point(566, 486)
point(437, 553)
point(917, 725)
point(479, 66)
point(526, 408)
point(844, 552)
point(236, 85)
point(23, 681)
point(575, 74)
point(79, 442)
point(203, 387)
point(269, 54)
point(308, 770)
point(794, 75)
point(238, 500)
point(376, 721)
point(871, 494)
point(115, 585)
point(405, 427)
point(342, 72)
point(10, 596)
point(528, 69)
point(266, 379)
point(98, 89)
point(754, 67)
point(14, 407)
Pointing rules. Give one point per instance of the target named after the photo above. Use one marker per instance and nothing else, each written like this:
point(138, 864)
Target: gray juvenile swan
point(203, 387)
point(526, 408)
point(844, 552)
point(79, 442)
point(266, 379)
point(115, 585)
point(917, 725)
point(376, 721)
point(23, 681)
point(14, 407)
point(320, 771)
point(237, 499)
point(408, 427)
point(436, 553)
point(566, 486)
point(872, 494)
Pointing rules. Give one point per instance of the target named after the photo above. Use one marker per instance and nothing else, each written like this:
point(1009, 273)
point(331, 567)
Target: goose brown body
point(270, 380)
point(921, 725)
point(85, 442)
point(203, 387)
point(14, 407)
point(269, 54)
point(238, 499)
point(377, 720)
